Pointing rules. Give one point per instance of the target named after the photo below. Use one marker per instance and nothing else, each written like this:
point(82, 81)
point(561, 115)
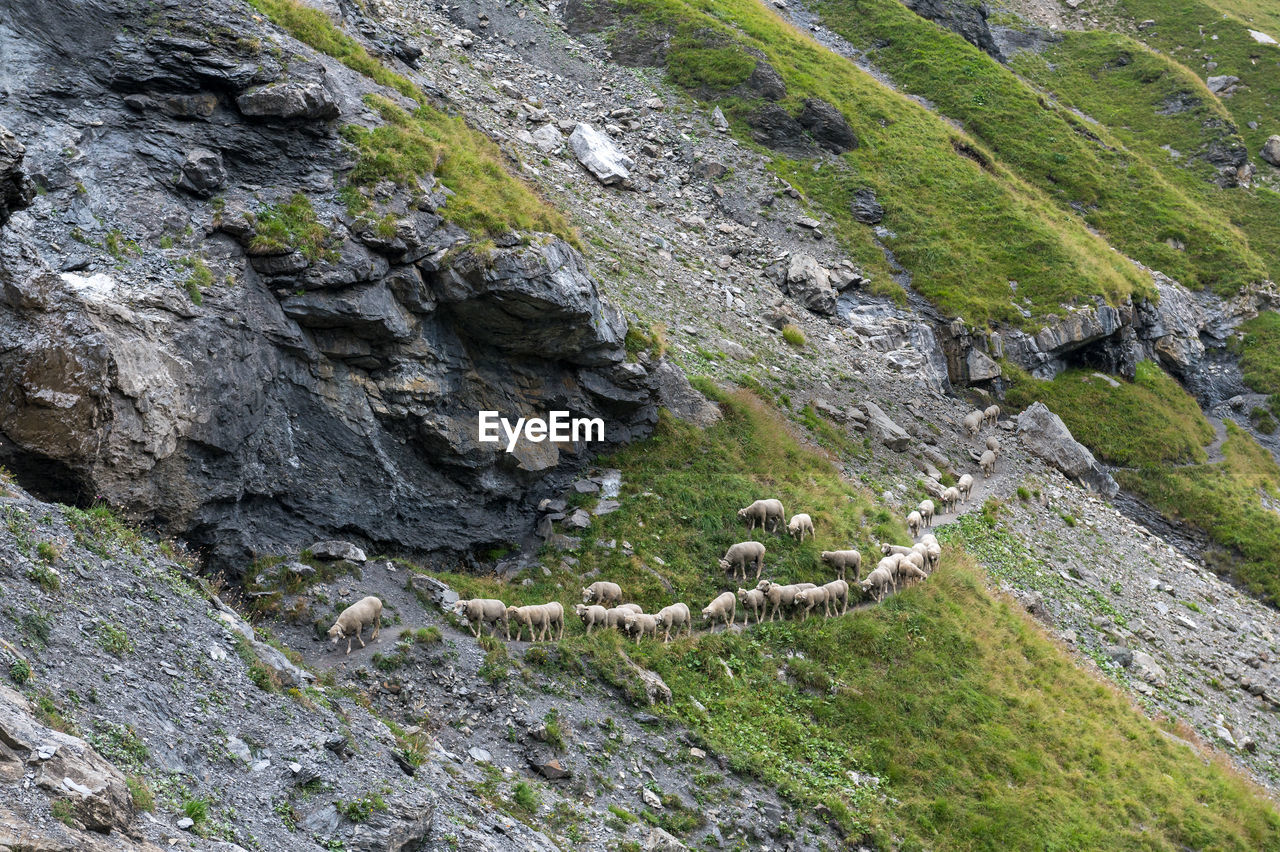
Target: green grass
point(793, 335)
point(1148, 421)
point(985, 733)
point(487, 198)
point(1224, 499)
point(290, 225)
point(199, 279)
point(1259, 349)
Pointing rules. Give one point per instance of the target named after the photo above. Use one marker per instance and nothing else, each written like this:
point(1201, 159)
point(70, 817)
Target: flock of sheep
point(602, 604)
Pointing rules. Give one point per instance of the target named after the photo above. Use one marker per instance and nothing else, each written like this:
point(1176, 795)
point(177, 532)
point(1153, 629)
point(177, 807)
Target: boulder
point(773, 127)
point(866, 209)
point(335, 549)
point(808, 282)
point(827, 125)
point(599, 155)
point(1048, 438)
point(366, 310)
point(16, 189)
point(982, 367)
point(1271, 150)
point(289, 100)
point(203, 173)
point(548, 139)
point(681, 399)
point(1222, 83)
point(882, 426)
point(1147, 669)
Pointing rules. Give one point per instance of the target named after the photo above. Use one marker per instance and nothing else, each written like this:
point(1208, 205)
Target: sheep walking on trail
point(842, 561)
point(799, 525)
point(752, 601)
point(991, 416)
point(603, 593)
point(354, 619)
point(877, 582)
point(592, 616)
point(988, 464)
point(911, 574)
point(615, 617)
point(767, 513)
point(973, 421)
point(926, 510)
point(950, 498)
point(543, 620)
point(807, 599)
point(965, 485)
point(741, 556)
point(780, 596)
point(993, 444)
point(641, 624)
point(913, 523)
point(488, 611)
point(722, 609)
point(933, 550)
point(677, 616)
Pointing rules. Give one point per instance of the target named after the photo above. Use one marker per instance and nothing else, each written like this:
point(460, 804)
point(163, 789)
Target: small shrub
point(48, 551)
point(290, 225)
point(427, 635)
point(114, 640)
point(793, 335)
point(524, 797)
point(143, 797)
point(359, 810)
point(196, 808)
point(64, 812)
point(200, 278)
point(19, 671)
point(45, 577)
point(1023, 494)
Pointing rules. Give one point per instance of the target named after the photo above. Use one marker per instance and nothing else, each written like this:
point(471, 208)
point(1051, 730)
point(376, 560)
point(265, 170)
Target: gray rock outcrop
point(1271, 150)
point(808, 282)
point(599, 155)
point(1045, 436)
point(882, 427)
point(16, 189)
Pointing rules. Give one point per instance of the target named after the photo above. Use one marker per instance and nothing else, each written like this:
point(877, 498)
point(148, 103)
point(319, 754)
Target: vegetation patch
point(1258, 347)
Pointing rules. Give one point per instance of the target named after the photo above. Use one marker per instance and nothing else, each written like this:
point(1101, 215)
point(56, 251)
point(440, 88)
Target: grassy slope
point(1123, 195)
point(1153, 425)
point(962, 255)
point(986, 734)
point(1259, 351)
point(487, 200)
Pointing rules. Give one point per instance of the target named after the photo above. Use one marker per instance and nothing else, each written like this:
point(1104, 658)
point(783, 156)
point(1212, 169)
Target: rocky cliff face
point(250, 395)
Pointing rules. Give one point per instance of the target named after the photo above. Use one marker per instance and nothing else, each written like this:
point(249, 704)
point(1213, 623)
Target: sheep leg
point(759, 567)
point(475, 628)
point(358, 630)
point(348, 646)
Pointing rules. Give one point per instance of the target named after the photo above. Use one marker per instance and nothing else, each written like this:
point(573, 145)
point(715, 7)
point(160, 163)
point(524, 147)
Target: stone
point(1121, 655)
point(827, 125)
point(808, 282)
point(334, 549)
point(16, 189)
point(1222, 83)
point(579, 520)
point(773, 127)
point(433, 590)
point(292, 99)
point(659, 839)
point(718, 121)
point(479, 755)
point(599, 155)
point(203, 173)
point(866, 209)
point(1147, 669)
point(548, 139)
point(186, 824)
point(681, 398)
point(1271, 150)
point(650, 798)
point(881, 426)
point(1046, 437)
point(982, 367)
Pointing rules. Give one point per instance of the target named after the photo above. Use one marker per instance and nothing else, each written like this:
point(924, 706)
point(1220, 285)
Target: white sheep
point(807, 599)
point(763, 512)
point(353, 620)
point(838, 592)
point(915, 557)
point(965, 485)
point(799, 525)
point(926, 510)
point(723, 608)
point(973, 421)
point(592, 616)
point(991, 416)
point(933, 550)
point(741, 555)
point(913, 523)
point(950, 498)
point(890, 564)
point(993, 444)
point(603, 593)
point(879, 579)
point(780, 596)
point(891, 549)
point(842, 561)
point(484, 610)
point(541, 619)
point(753, 601)
point(988, 464)
point(641, 624)
point(911, 573)
point(677, 616)
point(615, 616)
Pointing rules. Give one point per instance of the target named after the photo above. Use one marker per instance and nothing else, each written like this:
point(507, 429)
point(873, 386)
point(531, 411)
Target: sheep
point(842, 560)
point(993, 444)
point(353, 620)
point(541, 619)
point(677, 616)
point(641, 624)
point(807, 599)
point(950, 498)
point(910, 573)
point(965, 485)
point(592, 616)
point(780, 596)
point(603, 593)
point(799, 525)
point(926, 510)
point(484, 610)
point(915, 557)
point(723, 608)
point(614, 616)
point(752, 602)
point(991, 416)
point(741, 555)
point(630, 607)
point(973, 421)
point(879, 579)
point(913, 523)
point(933, 550)
point(763, 512)
point(988, 463)
point(897, 549)
point(890, 564)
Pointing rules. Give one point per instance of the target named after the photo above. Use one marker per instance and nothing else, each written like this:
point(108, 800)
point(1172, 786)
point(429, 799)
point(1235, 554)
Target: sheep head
point(588, 595)
point(764, 586)
point(336, 633)
point(724, 565)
